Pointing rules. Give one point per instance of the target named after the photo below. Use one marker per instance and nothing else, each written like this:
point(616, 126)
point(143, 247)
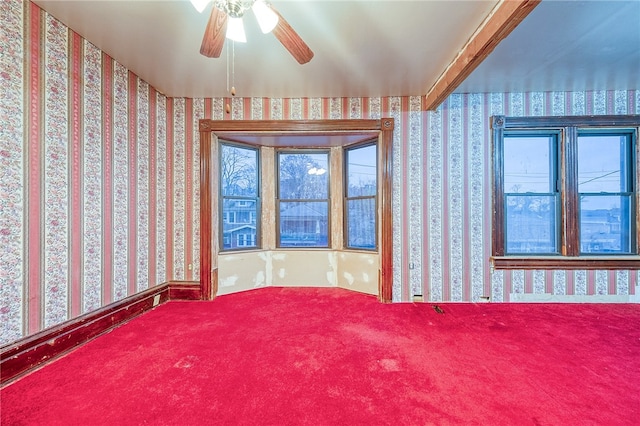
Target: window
point(531, 196)
point(303, 199)
point(239, 189)
point(361, 191)
point(565, 187)
point(321, 134)
point(605, 192)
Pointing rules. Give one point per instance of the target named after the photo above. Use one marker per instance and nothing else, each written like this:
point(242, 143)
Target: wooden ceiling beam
point(503, 19)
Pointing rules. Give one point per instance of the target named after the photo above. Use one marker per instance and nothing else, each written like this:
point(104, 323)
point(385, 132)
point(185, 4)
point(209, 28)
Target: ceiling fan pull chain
point(227, 107)
point(227, 49)
point(233, 70)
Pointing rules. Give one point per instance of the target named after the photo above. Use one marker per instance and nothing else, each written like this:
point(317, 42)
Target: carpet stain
point(389, 365)
point(367, 334)
point(186, 362)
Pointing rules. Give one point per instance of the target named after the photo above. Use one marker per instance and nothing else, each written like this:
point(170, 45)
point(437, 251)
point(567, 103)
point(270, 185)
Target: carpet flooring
point(309, 356)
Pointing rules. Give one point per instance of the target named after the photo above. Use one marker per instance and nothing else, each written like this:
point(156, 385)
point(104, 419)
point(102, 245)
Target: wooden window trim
point(257, 199)
point(569, 257)
point(279, 200)
point(346, 198)
point(240, 130)
point(629, 262)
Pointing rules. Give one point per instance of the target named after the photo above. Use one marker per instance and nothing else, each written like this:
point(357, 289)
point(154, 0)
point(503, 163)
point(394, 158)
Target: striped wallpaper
point(100, 195)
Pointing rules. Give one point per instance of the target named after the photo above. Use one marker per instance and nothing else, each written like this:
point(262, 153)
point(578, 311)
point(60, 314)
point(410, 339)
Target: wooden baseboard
point(184, 290)
point(25, 355)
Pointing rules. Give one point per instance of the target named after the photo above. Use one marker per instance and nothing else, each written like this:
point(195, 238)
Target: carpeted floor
point(278, 356)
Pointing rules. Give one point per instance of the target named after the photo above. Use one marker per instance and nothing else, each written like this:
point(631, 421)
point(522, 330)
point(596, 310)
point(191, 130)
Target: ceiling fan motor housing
point(234, 8)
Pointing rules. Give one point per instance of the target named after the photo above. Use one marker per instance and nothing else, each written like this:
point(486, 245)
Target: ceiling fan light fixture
point(235, 30)
point(233, 8)
point(200, 5)
point(267, 18)
point(221, 26)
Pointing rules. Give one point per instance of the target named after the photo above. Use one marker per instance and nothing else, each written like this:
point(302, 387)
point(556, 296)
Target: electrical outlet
point(190, 266)
point(156, 300)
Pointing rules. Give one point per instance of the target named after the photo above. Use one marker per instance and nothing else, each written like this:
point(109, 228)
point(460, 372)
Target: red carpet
point(331, 357)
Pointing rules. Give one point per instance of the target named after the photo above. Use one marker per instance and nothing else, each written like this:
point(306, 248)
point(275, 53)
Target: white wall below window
point(240, 271)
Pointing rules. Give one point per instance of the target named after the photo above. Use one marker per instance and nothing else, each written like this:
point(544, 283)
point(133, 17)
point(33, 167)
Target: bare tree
point(295, 180)
point(238, 171)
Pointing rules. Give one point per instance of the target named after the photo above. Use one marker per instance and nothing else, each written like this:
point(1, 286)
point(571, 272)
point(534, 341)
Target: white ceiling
point(366, 47)
point(566, 46)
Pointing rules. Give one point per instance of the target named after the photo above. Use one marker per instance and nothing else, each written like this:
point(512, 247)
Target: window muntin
point(530, 193)
point(361, 189)
point(303, 199)
point(604, 190)
point(240, 200)
point(579, 157)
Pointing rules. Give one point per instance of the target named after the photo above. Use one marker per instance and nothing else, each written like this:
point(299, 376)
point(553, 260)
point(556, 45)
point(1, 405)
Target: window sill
point(339, 250)
point(358, 250)
point(240, 250)
point(259, 250)
point(630, 262)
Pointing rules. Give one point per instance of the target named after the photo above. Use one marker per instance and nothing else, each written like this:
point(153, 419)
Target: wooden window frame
point(257, 199)
point(289, 151)
point(345, 183)
point(569, 257)
point(211, 130)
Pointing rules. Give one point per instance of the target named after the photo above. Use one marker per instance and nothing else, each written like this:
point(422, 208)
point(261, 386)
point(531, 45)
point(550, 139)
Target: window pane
point(238, 223)
point(603, 165)
point(304, 224)
point(303, 176)
point(238, 171)
point(528, 164)
point(361, 171)
point(531, 224)
point(361, 220)
point(605, 224)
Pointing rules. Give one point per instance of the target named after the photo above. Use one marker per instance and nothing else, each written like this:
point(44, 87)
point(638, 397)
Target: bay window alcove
point(296, 203)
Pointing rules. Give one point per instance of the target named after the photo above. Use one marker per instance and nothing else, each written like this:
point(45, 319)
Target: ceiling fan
point(226, 21)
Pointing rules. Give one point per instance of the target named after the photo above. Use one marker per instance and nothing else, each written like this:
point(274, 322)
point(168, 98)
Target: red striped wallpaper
point(103, 182)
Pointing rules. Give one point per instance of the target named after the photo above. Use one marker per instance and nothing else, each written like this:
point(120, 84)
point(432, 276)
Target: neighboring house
point(239, 224)
point(303, 225)
point(241, 236)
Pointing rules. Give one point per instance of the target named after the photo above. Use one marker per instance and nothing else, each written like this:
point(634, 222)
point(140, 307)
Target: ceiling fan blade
point(291, 40)
point(214, 34)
